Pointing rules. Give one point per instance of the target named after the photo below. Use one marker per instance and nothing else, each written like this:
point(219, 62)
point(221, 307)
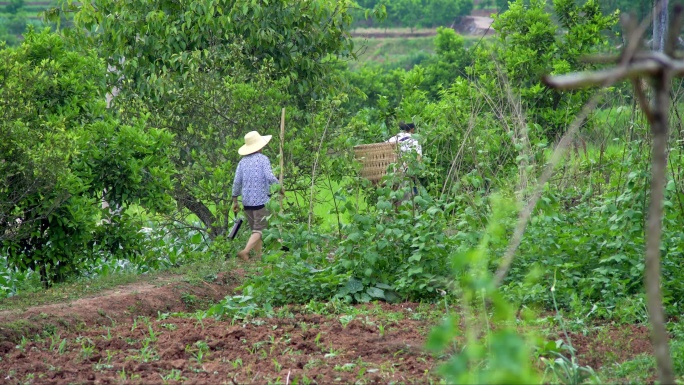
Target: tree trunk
point(660, 20)
point(659, 128)
point(197, 207)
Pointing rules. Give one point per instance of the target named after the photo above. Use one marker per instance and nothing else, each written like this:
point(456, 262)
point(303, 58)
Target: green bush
point(63, 154)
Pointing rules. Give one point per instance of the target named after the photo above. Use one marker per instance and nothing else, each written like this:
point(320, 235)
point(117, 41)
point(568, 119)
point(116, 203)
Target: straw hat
point(254, 142)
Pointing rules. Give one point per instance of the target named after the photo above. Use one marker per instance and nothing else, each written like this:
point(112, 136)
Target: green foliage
point(492, 355)
point(128, 163)
point(14, 6)
point(12, 280)
point(61, 151)
point(209, 89)
point(448, 64)
point(407, 258)
point(396, 253)
point(296, 37)
point(391, 52)
point(240, 307)
point(639, 8)
point(530, 45)
point(15, 17)
point(304, 273)
point(595, 263)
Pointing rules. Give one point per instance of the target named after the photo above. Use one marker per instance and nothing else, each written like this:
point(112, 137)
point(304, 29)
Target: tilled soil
point(129, 335)
point(300, 349)
point(612, 343)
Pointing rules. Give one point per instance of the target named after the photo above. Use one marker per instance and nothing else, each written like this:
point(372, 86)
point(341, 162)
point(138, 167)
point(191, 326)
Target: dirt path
point(163, 295)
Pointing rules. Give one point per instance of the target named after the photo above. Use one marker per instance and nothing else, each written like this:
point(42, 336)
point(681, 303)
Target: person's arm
point(268, 172)
point(237, 189)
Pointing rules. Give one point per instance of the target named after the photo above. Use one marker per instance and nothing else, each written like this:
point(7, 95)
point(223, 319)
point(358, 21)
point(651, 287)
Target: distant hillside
point(31, 8)
point(15, 15)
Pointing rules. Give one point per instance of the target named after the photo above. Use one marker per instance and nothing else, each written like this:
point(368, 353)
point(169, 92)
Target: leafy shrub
point(529, 44)
point(13, 280)
point(396, 252)
point(593, 251)
point(393, 251)
point(63, 154)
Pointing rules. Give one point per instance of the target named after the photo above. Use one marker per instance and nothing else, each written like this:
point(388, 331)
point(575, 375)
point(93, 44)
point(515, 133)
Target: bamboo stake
point(282, 158)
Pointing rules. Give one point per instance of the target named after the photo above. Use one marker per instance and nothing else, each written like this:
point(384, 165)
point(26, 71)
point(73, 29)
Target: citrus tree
point(62, 154)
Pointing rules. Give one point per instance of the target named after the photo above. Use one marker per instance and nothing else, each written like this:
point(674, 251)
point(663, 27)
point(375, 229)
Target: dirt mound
point(168, 294)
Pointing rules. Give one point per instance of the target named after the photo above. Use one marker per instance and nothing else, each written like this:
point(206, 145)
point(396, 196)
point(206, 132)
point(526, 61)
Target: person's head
point(254, 143)
point(407, 127)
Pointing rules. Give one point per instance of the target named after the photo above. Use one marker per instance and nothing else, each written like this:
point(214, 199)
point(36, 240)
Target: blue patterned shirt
point(253, 179)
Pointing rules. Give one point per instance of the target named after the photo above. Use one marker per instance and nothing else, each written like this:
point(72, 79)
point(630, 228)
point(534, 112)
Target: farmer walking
point(253, 180)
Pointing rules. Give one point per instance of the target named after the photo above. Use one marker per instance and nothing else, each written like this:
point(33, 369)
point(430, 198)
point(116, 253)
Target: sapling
point(146, 351)
point(381, 329)
point(237, 363)
point(277, 366)
point(174, 375)
point(122, 375)
point(62, 346)
point(346, 319)
point(202, 350)
point(54, 340)
point(152, 335)
point(331, 352)
point(199, 315)
point(22, 344)
point(87, 348)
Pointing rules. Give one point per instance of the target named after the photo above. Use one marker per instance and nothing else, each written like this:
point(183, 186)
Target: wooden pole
point(282, 158)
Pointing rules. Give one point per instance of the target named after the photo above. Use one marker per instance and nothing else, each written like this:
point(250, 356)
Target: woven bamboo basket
point(375, 158)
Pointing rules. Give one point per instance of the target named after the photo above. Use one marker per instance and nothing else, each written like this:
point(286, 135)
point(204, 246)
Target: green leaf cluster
point(63, 155)
point(529, 44)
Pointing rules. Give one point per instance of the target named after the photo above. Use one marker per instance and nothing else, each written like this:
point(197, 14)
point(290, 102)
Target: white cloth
point(406, 143)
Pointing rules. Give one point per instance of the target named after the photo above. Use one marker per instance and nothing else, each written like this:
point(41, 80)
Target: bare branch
point(648, 67)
